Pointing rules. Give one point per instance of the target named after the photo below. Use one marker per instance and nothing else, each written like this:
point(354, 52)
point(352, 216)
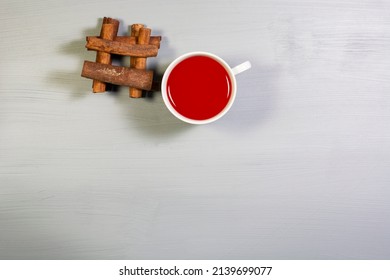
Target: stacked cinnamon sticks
point(139, 46)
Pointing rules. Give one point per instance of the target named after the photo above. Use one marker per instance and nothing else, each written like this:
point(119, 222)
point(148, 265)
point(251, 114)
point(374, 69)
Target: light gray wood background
point(298, 169)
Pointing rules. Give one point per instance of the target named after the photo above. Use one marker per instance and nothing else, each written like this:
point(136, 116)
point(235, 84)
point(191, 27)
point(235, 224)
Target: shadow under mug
point(231, 72)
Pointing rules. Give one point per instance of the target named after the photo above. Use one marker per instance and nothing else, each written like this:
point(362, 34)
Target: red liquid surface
point(199, 88)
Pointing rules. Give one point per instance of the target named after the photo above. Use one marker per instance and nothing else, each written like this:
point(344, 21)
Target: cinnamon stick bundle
point(118, 75)
point(139, 46)
point(109, 31)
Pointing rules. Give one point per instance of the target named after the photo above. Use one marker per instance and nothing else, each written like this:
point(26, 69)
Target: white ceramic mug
point(233, 90)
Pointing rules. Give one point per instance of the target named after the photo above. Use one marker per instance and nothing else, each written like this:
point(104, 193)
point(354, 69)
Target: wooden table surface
point(298, 169)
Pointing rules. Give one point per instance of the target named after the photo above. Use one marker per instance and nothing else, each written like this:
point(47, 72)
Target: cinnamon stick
point(118, 75)
point(154, 40)
point(109, 31)
point(140, 62)
point(120, 48)
point(134, 33)
point(132, 40)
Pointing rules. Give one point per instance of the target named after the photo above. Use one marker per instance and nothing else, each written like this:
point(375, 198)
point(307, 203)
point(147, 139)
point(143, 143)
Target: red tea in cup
point(199, 87)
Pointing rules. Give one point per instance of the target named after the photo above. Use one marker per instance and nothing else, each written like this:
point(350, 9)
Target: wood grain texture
point(298, 169)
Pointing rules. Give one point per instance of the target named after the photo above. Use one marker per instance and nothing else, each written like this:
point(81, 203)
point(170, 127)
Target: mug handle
point(241, 67)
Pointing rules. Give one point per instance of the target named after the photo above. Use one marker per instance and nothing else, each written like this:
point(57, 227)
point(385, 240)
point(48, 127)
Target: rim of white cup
point(173, 65)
